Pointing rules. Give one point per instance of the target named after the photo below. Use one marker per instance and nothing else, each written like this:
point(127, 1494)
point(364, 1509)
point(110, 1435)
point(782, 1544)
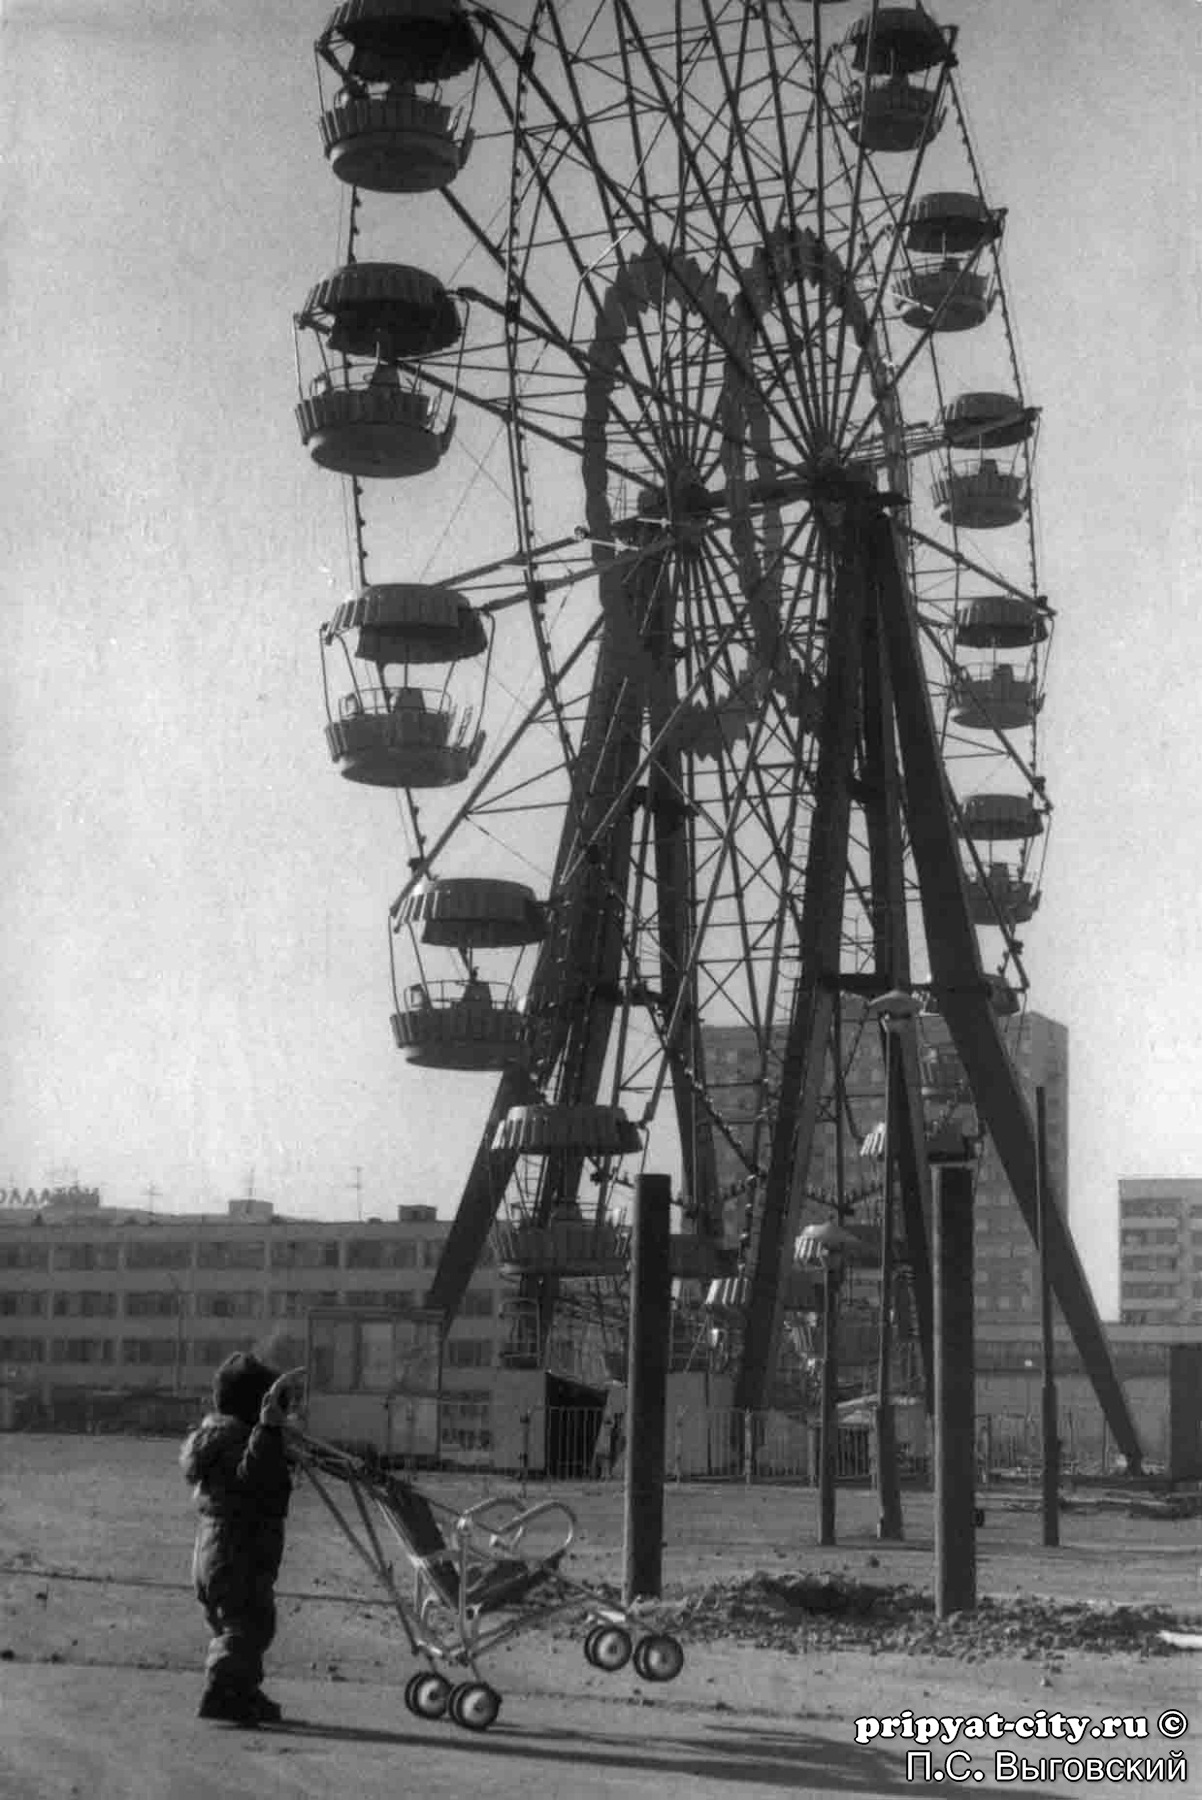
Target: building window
point(81, 1350)
point(208, 1352)
point(230, 1253)
point(376, 1359)
point(304, 1253)
point(151, 1254)
point(293, 1303)
point(85, 1304)
point(24, 1256)
point(469, 1353)
point(22, 1350)
point(394, 1299)
point(242, 1303)
point(86, 1256)
point(382, 1253)
point(157, 1303)
point(1132, 1205)
point(158, 1351)
point(22, 1305)
point(333, 1366)
point(465, 1423)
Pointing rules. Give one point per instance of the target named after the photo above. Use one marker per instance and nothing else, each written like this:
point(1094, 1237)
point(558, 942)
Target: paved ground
point(101, 1640)
point(100, 1733)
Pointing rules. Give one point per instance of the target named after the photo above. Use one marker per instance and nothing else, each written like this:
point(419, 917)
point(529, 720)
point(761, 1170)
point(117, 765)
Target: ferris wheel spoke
point(820, 137)
point(536, 319)
point(961, 561)
point(673, 362)
point(583, 134)
point(807, 417)
point(575, 134)
point(532, 716)
point(867, 220)
point(723, 249)
point(918, 348)
point(790, 162)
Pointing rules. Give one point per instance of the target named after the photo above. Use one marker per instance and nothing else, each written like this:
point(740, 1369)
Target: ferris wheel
point(703, 640)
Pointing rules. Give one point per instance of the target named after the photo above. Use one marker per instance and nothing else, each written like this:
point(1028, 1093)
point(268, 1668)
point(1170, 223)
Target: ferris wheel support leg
point(963, 994)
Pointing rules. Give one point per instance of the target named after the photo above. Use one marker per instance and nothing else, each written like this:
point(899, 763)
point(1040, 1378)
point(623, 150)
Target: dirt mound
point(828, 1612)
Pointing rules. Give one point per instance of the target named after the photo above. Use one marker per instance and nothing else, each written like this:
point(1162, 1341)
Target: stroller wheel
point(474, 1705)
point(608, 1647)
point(658, 1658)
point(427, 1694)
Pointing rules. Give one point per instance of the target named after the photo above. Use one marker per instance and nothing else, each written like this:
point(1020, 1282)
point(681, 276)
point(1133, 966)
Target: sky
point(194, 952)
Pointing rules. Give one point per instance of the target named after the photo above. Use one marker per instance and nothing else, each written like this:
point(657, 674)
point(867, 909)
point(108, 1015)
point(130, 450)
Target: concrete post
point(955, 1391)
point(647, 1393)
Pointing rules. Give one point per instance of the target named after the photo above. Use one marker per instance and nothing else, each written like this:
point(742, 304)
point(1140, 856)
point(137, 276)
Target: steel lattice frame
point(737, 763)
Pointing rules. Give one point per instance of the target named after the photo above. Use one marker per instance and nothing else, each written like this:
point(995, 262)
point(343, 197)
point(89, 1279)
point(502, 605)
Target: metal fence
point(575, 1443)
point(1010, 1446)
point(579, 1443)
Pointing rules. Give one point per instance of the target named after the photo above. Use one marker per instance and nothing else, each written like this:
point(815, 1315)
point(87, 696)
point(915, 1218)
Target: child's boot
point(226, 1704)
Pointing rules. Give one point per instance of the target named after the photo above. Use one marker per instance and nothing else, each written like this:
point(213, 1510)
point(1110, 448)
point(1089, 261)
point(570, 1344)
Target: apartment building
point(1006, 1273)
point(1160, 1251)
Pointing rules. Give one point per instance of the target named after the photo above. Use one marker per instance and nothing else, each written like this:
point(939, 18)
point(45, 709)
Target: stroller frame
point(472, 1587)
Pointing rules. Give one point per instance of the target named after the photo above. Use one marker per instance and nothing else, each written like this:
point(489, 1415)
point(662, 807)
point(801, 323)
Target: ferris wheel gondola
point(719, 302)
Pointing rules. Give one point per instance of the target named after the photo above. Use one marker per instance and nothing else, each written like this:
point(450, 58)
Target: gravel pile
point(835, 1612)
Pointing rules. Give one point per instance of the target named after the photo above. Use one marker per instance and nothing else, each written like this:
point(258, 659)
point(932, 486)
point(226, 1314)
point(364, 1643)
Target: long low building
point(100, 1297)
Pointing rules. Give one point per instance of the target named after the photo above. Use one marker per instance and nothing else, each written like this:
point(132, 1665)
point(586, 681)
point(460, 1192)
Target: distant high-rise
point(1006, 1276)
point(1160, 1251)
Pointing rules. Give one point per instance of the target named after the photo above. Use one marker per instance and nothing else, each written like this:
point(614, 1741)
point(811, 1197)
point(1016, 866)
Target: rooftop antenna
point(357, 1184)
point(151, 1194)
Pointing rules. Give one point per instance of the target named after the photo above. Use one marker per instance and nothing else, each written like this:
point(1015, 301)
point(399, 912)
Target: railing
point(418, 995)
point(397, 702)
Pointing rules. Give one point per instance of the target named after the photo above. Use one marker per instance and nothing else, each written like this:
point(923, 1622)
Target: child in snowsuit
point(236, 1462)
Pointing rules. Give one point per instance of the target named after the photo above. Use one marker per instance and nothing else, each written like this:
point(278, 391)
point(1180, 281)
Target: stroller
point(473, 1587)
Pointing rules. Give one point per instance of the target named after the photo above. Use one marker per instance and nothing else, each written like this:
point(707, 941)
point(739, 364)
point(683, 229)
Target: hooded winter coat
point(242, 1485)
